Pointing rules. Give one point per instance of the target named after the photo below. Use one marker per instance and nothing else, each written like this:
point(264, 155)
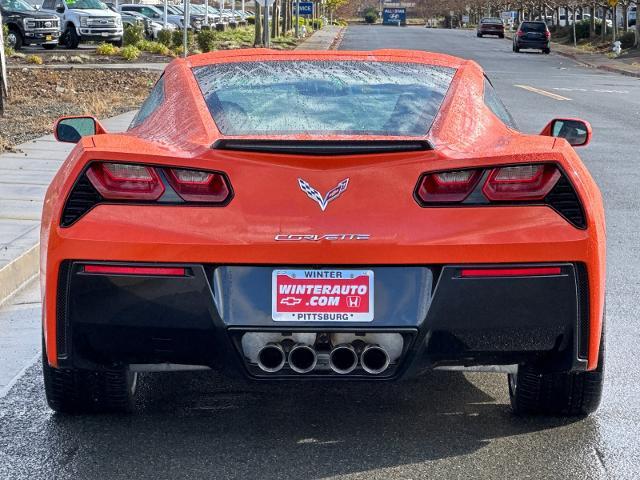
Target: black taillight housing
point(141, 184)
point(521, 184)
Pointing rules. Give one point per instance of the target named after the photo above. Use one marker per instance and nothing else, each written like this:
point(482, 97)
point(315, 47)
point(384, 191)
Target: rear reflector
point(125, 270)
point(510, 272)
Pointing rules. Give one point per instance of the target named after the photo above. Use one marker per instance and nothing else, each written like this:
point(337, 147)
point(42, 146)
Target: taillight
point(520, 182)
point(547, 34)
point(122, 181)
point(198, 186)
point(520, 33)
point(453, 186)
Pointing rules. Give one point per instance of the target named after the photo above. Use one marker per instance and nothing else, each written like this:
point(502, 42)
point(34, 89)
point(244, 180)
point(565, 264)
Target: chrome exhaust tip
point(271, 358)
point(343, 359)
point(374, 359)
point(302, 358)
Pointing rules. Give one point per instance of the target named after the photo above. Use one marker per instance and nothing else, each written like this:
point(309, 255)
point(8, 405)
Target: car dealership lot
point(447, 425)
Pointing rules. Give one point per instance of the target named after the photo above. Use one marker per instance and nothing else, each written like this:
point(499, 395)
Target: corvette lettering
point(334, 237)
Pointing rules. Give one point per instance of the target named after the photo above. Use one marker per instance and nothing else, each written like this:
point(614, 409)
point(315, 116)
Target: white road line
point(555, 96)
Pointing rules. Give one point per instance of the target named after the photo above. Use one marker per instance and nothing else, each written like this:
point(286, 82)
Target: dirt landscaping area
point(38, 97)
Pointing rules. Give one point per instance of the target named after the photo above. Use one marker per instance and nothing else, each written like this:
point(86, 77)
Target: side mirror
point(72, 129)
point(575, 131)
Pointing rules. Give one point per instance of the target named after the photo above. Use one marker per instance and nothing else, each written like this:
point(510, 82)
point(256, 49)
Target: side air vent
point(62, 324)
point(82, 198)
point(564, 200)
point(323, 147)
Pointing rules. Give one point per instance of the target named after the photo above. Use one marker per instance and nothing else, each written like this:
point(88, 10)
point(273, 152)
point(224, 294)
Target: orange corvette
point(326, 216)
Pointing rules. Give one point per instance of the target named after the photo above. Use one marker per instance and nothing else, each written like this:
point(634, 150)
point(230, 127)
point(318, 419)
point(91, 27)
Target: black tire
point(566, 394)
point(516, 49)
point(479, 35)
point(73, 391)
point(49, 46)
point(117, 43)
point(14, 39)
point(71, 38)
point(546, 51)
point(500, 36)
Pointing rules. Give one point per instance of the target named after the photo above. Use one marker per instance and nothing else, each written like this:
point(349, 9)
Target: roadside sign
point(613, 3)
point(465, 18)
point(393, 16)
point(305, 8)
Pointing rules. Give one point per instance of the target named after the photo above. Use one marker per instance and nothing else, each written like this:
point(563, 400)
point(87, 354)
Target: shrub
point(627, 39)
point(9, 52)
point(317, 23)
point(107, 49)
point(251, 20)
point(164, 37)
point(371, 15)
point(35, 59)
point(206, 40)
point(133, 34)
point(130, 53)
point(153, 47)
point(176, 38)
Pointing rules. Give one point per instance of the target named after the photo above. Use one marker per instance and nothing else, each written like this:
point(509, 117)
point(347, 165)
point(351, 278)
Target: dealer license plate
point(322, 295)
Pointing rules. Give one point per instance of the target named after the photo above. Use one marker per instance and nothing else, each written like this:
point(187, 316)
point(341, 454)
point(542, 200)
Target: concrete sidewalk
point(24, 178)
point(326, 38)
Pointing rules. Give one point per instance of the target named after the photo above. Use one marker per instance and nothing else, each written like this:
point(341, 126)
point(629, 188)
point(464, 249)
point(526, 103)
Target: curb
point(18, 272)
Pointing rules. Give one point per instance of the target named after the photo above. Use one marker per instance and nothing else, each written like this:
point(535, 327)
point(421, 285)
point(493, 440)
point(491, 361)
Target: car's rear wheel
point(74, 390)
point(546, 51)
point(501, 36)
point(568, 394)
point(515, 48)
point(479, 35)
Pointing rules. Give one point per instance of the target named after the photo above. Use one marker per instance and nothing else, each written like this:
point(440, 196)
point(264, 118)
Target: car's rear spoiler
point(322, 147)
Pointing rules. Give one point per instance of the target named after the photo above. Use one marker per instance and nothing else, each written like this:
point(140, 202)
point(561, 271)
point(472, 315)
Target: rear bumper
point(536, 44)
point(446, 319)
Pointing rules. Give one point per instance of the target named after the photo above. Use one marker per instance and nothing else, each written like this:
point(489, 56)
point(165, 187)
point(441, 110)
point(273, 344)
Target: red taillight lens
point(510, 272)
point(131, 270)
point(547, 34)
point(520, 182)
point(452, 186)
point(520, 33)
point(198, 186)
point(122, 181)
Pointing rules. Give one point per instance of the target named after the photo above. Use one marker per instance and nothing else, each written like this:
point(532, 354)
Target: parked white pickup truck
point(85, 20)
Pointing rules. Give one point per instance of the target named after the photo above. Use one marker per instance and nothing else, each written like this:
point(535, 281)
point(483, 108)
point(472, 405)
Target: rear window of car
point(533, 27)
point(324, 97)
point(491, 20)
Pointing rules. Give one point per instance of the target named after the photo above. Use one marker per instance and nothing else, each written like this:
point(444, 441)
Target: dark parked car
point(28, 26)
point(490, 26)
point(534, 35)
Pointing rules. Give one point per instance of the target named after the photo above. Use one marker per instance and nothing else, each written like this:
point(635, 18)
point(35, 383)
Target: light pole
point(297, 18)
point(186, 22)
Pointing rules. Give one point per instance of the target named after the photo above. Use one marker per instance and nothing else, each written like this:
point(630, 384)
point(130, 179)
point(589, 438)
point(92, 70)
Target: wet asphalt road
point(444, 425)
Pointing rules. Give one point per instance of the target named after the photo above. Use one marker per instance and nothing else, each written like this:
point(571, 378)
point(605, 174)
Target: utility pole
point(186, 21)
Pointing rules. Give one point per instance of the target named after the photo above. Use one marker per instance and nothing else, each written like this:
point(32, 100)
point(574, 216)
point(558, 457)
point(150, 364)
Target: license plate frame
point(349, 297)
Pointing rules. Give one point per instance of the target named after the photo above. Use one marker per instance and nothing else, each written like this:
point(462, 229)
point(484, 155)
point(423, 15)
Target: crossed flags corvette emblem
point(315, 195)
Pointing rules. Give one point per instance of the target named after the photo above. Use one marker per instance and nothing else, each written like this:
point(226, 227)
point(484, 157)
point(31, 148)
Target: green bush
point(176, 38)
point(107, 49)
point(251, 20)
point(164, 37)
point(317, 24)
point(206, 39)
point(371, 15)
point(133, 34)
point(153, 47)
point(627, 39)
point(130, 52)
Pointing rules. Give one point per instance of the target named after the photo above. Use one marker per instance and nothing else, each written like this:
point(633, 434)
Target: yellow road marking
point(555, 96)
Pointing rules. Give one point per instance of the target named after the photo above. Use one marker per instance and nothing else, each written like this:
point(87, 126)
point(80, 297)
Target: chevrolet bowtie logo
point(291, 301)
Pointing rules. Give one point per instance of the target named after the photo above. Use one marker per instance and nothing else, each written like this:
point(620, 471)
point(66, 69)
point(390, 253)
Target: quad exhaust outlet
point(374, 359)
point(302, 358)
point(271, 358)
point(343, 359)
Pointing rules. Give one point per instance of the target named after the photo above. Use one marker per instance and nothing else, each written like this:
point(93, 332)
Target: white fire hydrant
point(617, 47)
